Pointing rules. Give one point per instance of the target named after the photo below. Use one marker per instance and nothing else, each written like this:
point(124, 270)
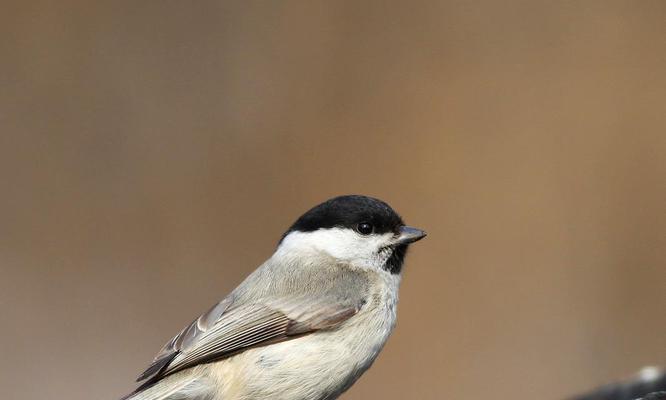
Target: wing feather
point(226, 329)
point(270, 306)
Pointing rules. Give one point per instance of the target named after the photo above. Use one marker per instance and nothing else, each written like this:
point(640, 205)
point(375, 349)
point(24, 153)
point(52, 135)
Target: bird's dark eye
point(364, 228)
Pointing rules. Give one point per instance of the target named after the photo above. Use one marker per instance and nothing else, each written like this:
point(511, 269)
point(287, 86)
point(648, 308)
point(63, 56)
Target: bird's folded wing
point(227, 329)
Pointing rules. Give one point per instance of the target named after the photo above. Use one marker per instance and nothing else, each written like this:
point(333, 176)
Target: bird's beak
point(409, 235)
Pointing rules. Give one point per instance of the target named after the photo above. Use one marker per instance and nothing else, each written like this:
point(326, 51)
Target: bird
point(306, 324)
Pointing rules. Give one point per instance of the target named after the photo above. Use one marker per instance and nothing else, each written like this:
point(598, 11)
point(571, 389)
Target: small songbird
point(303, 326)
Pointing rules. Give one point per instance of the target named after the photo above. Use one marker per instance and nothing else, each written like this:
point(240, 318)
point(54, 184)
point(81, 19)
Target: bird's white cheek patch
point(342, 244)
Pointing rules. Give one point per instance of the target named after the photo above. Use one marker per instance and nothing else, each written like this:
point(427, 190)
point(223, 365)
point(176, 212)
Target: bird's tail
point(174, 387)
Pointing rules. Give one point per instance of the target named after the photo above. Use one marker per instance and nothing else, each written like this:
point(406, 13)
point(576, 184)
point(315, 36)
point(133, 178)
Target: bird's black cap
point(350, 211)
point(347, 212)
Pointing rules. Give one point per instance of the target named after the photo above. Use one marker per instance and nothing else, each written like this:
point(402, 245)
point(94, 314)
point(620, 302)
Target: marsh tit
point(306, 324)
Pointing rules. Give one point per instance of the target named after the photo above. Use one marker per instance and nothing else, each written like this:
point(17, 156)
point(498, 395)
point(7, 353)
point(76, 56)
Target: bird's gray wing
point(227, 329)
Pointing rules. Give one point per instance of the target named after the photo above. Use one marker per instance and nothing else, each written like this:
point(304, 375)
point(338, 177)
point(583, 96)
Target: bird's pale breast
point(319, 366)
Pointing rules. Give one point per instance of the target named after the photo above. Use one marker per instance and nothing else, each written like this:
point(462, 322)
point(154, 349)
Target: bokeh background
point(152, 153)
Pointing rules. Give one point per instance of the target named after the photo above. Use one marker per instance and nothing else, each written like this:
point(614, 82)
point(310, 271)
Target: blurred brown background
point(152, 153)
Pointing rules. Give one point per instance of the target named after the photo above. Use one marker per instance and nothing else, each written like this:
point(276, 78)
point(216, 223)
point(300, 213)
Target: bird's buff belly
point(313, 367)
